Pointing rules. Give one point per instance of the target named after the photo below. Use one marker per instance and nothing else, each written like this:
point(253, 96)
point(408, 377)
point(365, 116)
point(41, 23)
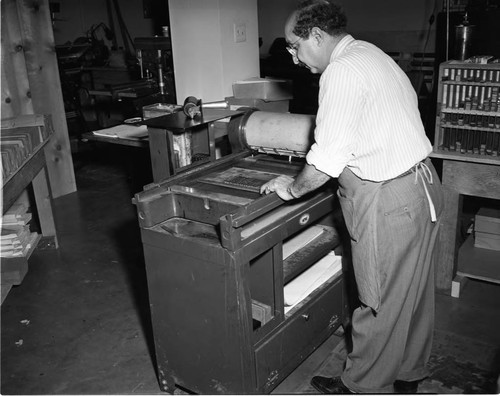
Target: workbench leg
point(43, 201)
point(167, 384)
point(457, 285)
point(162, 152)
point(448, 237)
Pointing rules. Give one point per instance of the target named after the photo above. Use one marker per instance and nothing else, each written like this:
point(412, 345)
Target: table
point(196, 147)
point(469, 176)
point(132, 142)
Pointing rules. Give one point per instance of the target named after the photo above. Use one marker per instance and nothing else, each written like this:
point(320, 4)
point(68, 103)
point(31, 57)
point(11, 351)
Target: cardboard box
point(263, 88)
point(275, 106)
point(488, 221)
point(158, 110)
point(485, 240)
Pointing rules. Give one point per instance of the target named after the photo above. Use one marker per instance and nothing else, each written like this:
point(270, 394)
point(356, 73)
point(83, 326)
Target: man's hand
point(308, 180)
point(279, 186)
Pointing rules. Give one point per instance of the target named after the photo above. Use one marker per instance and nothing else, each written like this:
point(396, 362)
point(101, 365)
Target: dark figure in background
point(370, 136)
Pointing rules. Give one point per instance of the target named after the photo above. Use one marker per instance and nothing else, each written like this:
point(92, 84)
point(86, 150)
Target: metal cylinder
point(464, 34)
point(275, 133)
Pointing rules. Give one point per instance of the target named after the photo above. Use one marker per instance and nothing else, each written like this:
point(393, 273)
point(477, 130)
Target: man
point(370, 136)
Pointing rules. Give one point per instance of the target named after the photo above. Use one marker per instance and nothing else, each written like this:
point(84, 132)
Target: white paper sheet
point(304, 284)
point(300, 240)
point(124, 131)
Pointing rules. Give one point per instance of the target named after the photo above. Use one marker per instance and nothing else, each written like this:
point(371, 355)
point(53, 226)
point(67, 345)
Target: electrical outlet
point(240, 32)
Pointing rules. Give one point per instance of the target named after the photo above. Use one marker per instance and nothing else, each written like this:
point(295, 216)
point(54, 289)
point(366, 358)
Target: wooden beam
point(45, 89)
point(16, 97)
point(447, 251)
point(44, 206)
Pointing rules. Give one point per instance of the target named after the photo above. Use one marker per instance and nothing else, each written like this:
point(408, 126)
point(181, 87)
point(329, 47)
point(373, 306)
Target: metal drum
point(273, 133)
point(464, 35)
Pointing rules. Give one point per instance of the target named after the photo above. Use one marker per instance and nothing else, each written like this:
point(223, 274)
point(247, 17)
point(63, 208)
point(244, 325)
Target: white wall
point(393, 25)
point(206, 59)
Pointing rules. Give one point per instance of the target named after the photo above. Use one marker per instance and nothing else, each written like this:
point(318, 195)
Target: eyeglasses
point(292, 49)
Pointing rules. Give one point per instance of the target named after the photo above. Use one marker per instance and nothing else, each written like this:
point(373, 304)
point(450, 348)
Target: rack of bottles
point(468, 110)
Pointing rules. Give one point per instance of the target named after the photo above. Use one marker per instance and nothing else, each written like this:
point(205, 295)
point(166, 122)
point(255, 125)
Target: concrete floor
point(79, 323)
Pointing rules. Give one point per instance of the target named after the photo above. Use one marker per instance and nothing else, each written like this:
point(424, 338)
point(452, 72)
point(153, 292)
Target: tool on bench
point(194, 106)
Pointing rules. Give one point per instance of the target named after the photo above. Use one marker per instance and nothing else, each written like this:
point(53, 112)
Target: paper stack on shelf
point(16, 237)
point(487, 229)
point(17, 144)
point(124, 131)
point(303, 285)
point(300, 240)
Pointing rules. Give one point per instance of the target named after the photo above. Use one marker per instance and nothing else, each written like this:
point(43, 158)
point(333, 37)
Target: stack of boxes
point(265, 94)
point(487, 229)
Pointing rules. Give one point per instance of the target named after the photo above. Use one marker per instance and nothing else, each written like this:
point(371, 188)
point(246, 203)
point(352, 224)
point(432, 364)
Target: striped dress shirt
point(368, 118)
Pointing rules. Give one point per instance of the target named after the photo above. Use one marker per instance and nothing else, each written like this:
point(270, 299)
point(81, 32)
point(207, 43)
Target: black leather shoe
point(406, 386)
point(328, 385)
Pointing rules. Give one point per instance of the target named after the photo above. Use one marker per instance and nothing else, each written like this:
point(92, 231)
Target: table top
point(178, 122)
point(133, 142)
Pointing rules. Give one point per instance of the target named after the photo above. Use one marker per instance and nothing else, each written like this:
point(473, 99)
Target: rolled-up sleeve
point(341, 102)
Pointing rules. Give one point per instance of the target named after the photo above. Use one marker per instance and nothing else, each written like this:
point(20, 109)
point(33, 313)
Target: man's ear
point(317, 35)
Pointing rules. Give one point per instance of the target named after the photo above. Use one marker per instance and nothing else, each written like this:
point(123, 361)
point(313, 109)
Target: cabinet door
point(299, 335)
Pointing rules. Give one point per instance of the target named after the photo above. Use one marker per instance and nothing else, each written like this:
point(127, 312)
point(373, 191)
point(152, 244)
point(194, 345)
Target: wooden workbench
point(132, 142)
point(477, 176)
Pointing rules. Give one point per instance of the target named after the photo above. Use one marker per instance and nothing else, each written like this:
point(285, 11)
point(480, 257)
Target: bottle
point(464, 34)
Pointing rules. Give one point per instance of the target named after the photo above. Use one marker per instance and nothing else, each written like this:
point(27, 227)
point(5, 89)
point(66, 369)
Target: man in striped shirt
point(369, 136)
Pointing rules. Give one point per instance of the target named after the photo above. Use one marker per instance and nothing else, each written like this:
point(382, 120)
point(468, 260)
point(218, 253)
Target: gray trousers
point(393, 241)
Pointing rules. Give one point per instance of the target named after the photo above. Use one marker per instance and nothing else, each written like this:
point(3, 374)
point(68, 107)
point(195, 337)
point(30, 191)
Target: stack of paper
point(124, 131)
point(300, 240)
point(303, 285)
point(16, 237)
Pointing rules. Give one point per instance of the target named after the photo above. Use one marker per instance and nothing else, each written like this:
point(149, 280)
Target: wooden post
point(35, 87)
point(16, 96)
point(448, 237)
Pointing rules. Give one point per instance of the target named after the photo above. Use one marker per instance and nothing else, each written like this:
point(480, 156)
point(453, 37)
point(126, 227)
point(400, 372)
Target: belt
point(408, 172)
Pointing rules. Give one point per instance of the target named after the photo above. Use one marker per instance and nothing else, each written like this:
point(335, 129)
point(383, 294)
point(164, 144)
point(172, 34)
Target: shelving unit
point(27, 168)
point(478, 263)
point(467, 139)
point(468, 116)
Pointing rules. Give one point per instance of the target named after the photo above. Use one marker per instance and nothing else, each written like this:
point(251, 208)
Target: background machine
point(242, 287)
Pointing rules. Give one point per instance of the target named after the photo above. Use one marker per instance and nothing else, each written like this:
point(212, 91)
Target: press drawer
point(300, 334)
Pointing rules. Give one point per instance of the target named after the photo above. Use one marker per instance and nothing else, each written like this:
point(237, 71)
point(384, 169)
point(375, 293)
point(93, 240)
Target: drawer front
point(299, 335)
point(274, 229)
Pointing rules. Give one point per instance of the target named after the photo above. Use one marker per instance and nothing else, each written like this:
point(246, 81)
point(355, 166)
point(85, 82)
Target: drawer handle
point(305, 317)
point(304, 219)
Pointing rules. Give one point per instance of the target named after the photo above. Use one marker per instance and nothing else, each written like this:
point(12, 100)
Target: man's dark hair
point(323, 14)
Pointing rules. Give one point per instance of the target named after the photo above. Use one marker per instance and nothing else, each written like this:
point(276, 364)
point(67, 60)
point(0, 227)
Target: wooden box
point(487, 229)
point(267, 89)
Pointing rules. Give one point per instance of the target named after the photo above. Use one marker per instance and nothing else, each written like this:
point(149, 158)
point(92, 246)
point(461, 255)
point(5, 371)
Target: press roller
point(273, 133)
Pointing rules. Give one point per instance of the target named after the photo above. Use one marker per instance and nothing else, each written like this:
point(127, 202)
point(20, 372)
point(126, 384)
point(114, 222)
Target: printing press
point(242, 286)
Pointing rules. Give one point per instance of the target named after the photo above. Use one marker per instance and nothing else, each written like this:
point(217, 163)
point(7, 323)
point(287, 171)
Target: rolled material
point(275, 133)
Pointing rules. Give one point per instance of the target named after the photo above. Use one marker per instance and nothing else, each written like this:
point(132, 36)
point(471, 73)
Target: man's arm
point(287, 188)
